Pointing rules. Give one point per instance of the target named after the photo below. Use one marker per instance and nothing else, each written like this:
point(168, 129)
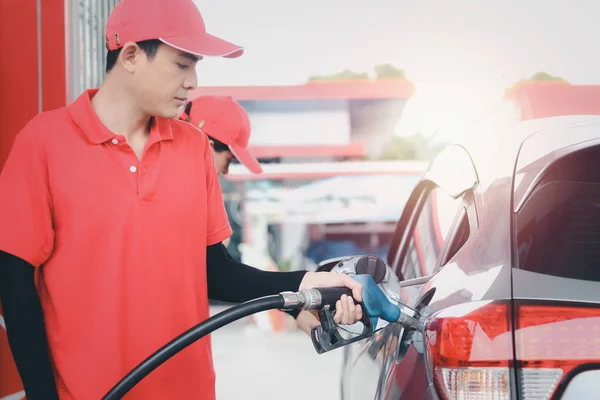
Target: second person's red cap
point(224, 119)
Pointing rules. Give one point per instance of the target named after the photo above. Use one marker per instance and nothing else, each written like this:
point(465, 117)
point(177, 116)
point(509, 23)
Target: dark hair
point(218, 146)
point(148, 46)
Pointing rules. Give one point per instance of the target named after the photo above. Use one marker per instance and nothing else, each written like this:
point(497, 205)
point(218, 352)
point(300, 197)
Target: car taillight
point(470, 348)
point(551, 341)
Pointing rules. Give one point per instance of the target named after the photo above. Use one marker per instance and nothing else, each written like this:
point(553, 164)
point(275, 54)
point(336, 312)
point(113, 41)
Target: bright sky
point(460, 54)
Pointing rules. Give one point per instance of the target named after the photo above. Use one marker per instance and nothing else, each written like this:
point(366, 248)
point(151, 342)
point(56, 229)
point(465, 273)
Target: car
point(498, 254)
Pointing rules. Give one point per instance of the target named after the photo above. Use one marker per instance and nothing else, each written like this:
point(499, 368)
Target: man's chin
point(168, 113)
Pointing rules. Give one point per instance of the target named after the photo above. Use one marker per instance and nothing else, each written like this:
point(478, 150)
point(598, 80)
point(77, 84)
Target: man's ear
point(130, 56)
point(212, 143)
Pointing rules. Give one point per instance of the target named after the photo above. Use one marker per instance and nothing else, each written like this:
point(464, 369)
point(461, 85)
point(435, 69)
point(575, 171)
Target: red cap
point(224, 119)
point(177, 23)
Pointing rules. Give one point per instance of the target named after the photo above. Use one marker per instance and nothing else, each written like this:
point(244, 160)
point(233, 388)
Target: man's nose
point(191, 81)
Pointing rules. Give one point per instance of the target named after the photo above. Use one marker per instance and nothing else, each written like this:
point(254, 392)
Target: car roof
point(498, 143)
point(553, 134)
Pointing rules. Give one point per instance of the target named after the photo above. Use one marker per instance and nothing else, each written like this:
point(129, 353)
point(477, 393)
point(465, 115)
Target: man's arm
point(218, 271)
point(25, 327)
point(231, 281)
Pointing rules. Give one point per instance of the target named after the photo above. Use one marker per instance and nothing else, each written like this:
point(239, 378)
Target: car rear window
point(558, 228)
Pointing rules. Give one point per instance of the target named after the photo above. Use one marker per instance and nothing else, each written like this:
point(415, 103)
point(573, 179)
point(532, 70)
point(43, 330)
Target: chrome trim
point(535, 286)
point(87, 46)
point(292, 300)
point(411, 323)
point(416, 281)
point(312, 299)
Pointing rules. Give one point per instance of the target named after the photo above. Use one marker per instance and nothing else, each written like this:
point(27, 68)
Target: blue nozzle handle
point(374, 303)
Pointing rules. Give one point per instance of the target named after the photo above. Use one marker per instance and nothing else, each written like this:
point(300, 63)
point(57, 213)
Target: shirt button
point(132, 168)
point(115, 141)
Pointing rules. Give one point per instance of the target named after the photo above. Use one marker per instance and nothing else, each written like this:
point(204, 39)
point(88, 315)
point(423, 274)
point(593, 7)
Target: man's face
point(162, 84)
point(222, 161)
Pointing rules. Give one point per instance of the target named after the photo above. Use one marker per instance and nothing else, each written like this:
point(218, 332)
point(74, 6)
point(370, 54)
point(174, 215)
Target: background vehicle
point(498, 248)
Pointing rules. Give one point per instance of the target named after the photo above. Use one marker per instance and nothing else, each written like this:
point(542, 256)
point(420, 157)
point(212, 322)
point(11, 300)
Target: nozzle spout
point(411, 323)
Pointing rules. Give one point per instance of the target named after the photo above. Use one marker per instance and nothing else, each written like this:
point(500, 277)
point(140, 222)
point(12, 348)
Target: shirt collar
point(85, 117)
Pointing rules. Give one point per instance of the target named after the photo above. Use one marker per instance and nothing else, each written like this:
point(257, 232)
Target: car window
point(558, 228)
point(429, 234)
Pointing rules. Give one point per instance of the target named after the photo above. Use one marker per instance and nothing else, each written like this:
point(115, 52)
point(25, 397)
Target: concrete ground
point(251, 364)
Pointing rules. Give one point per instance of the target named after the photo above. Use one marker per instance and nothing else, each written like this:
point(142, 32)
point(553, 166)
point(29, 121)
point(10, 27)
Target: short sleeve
point(26, 229)
point(218, 228)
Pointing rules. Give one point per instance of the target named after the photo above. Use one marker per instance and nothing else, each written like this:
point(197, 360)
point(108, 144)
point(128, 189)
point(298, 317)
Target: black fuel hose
point(190, 336)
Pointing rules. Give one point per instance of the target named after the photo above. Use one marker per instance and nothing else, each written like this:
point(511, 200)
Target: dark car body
point(498, 249)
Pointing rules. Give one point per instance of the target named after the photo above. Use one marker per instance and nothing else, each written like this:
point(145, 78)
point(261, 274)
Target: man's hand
point(307, 320)
point(346, 312)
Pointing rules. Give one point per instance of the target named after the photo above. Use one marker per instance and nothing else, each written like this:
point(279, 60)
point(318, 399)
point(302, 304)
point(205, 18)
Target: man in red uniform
point(112, 223)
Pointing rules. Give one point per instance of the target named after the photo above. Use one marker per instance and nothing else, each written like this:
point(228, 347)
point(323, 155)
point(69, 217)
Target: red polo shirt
point(120, 246)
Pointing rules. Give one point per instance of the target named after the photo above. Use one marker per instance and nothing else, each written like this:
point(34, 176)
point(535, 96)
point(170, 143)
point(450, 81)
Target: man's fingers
point(354, 285)
point(349, 315)
point(359, 313)
point(313, 321)
point(307, 320)
point(337, 317)
point(351, 311)
point(346, 316)
point(346, 312)
point(357, 293)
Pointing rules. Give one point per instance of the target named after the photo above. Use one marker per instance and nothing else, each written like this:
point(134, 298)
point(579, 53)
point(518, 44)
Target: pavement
point(254, 364)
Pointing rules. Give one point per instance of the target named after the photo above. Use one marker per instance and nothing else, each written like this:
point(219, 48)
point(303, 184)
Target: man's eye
point(182, 66)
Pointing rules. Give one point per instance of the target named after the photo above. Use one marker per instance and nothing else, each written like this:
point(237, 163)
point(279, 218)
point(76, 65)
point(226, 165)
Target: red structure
point(343, 119)
point(345, 90)
point(548, 99)
point(33, 70)
point(32, 79)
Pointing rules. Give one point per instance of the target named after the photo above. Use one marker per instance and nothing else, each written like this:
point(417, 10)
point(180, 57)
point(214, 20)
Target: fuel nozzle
point(411, 323)
point(357, 266)
point(373, 274)
point(375, 305)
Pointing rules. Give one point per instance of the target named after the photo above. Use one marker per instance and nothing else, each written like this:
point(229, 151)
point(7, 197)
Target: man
point(227, 126)
point(112, 223)
point(222, 118)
